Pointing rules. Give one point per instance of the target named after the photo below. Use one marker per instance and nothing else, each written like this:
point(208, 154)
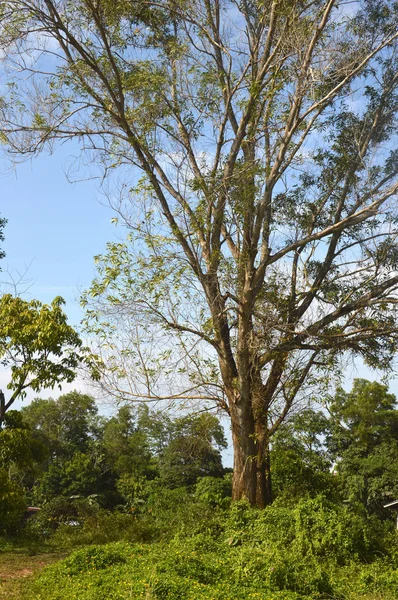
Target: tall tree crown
point(256, 146)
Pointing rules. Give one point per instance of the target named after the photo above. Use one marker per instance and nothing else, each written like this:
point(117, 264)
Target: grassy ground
point(20, 561)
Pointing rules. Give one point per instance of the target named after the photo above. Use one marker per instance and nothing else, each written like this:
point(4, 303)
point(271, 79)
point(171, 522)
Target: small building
point(392, 504)
point(30, 511)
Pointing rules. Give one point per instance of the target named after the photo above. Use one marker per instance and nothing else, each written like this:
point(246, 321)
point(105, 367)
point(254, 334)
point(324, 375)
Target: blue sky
point(54, 227)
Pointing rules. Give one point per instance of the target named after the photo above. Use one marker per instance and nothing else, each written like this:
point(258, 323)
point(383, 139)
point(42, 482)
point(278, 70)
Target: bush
point(214, 491)
point(12, 504)
point(157, 572)
point(311, 527)
point(105, 527)
point(94, 558)
point(63, 510)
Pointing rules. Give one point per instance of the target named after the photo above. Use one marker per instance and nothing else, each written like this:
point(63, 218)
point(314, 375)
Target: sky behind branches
point(54, 230)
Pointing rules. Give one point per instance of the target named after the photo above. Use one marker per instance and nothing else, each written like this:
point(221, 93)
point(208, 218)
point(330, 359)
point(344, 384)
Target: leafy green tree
point(72, 431)
point(363, 440)
point(18, 444)
point(20, 452)
point(68, 425)
point(148, 444)
point(363, 417)
point(78, 475)
point(158, 427)
point(70, 428)
point(261, 201)
point(127, 445)
point(37, 344)
point(12, 503)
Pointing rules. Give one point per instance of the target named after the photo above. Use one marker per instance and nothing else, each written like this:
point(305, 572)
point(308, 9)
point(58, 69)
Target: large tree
point(255, 143)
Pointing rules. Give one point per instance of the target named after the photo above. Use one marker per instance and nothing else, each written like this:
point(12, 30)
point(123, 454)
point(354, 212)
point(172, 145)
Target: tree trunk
point(252, 467)
point(2, 408)
point(263, 466)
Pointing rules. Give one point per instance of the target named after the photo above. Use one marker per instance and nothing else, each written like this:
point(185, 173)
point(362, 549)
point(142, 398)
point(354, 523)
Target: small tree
point(37, 345)
point(258, 143)
point(193, 451)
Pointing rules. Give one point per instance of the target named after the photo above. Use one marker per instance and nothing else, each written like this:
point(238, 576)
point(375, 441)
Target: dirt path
point(17, 569)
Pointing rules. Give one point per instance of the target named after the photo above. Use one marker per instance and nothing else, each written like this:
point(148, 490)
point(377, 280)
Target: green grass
point(194, 569)
point(124, 571)
point(22, 559)
point(309, 550)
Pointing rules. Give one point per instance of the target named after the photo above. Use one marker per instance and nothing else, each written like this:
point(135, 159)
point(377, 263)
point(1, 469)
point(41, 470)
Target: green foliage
point(66, 425)
point(193, 451)
point(37, 344)
point(121, 460)
point(76, 462)
point(18, 444)
point(300, 463)
point(95, 558)
point(91, 571)
point(190, 542)
point(78, 475)
point(127, 446)
point(214, 491)
point(12, 504)
point(363, 437)
point(312, 549)
point(62, 510)
point(19, 451)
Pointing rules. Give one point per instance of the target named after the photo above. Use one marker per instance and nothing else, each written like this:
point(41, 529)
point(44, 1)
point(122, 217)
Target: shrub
point(12, 504)
point(305, 551)
point(94, 558)
point(214, 491)
point(105, 527)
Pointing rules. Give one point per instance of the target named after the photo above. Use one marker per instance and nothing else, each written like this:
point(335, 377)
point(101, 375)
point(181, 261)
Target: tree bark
point(252, 465)
point(263, 467)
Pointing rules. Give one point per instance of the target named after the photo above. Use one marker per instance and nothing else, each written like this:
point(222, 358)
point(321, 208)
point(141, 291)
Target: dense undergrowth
point(191, 550)
point(139, 505)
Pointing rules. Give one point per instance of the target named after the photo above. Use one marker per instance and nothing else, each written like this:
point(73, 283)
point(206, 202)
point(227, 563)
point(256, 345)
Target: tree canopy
point(115, 458)
point(256, 149)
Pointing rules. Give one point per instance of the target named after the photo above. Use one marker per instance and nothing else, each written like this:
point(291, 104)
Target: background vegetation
point(140, 503)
